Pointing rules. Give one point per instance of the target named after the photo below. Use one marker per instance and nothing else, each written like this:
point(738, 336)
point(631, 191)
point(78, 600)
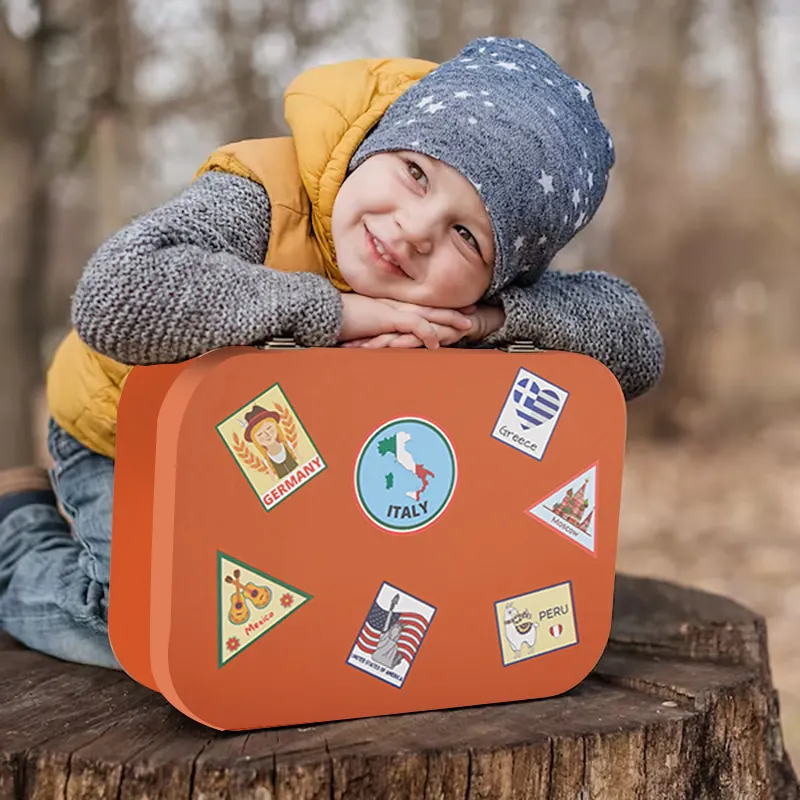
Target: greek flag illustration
point(530, 414)
point(535, 404)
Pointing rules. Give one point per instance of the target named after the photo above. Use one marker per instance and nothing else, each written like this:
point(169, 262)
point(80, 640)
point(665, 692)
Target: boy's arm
point(188, 277)
point(593, 313)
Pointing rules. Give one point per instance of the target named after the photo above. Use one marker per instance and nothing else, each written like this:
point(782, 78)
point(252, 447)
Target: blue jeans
point(54, 569)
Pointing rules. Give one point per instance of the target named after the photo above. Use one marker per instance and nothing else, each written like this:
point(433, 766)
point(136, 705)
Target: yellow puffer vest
point(329, 110)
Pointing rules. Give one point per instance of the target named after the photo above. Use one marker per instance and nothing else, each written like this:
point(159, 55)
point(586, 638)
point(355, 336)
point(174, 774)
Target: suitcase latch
point(280, 343)
point(521, 346)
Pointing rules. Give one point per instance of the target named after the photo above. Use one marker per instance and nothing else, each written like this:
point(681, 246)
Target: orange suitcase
point(305, 535)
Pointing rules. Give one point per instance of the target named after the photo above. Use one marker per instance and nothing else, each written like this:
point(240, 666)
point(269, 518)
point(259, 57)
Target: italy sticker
point(530, 414)
point(250, 604)
point(536, 623)
point(571, 510)
point(271, 447)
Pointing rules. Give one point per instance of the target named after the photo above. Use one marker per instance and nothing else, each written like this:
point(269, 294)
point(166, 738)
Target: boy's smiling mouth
point(383, 256)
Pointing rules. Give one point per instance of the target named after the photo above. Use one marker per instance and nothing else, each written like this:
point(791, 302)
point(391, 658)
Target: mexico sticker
point(571, 510)
point(391, 635)
point(530, 414)
point(533, 624)
point(250, 604)
point(405, 475)
point(271, 447)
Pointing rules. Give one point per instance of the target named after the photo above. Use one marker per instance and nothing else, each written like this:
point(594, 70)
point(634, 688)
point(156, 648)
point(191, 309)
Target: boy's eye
point(468, 237)
point(416, 172)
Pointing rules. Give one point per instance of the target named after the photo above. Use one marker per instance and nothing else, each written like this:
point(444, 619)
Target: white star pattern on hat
point(509, 65)
point(462, 95)
point(580, 220)
point(590, 179)
point(472, 120)
point(434, 107)
point(576, 197)
point(488, 103)
point(542, 240)
point(584, 91)
point(425, 100)
point(520, 240)
point(546, 182)
point(549, 82)
point(552, 111)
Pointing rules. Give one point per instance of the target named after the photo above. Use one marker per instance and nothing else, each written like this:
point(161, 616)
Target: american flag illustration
point(414, 627)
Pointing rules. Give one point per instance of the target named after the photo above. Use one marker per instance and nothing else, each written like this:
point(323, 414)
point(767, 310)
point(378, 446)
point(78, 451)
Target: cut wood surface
point(680, 706)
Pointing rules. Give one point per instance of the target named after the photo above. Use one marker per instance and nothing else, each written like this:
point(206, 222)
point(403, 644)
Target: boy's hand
point(366, 319)
point(485, 320)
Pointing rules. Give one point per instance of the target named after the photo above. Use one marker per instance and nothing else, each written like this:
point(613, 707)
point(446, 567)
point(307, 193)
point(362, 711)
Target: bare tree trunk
point(24, 111)
point(110, 113)
point(647, 246)
point(760, 147)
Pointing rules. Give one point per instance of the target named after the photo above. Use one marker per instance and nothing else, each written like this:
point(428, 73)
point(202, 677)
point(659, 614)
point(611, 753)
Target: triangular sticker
point(571, 510)
point(250, 604)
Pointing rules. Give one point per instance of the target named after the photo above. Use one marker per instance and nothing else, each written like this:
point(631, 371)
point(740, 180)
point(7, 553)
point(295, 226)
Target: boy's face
point(411, 228)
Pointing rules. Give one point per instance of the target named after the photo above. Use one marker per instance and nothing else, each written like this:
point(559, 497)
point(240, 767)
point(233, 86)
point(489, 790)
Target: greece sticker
point(271, 447)
point(572, 509)
point(530, 414)
point(536, 623)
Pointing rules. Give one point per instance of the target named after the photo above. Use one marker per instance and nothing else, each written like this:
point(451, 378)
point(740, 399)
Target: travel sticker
point(391, 635)
point(271, 446)
point(530, 414)
point(571, 509)
point(533, 624)
point(250, 604)
point(405, 475)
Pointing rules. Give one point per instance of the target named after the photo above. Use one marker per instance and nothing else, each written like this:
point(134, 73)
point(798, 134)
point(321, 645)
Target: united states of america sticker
point(530, 414)
point(391, 635)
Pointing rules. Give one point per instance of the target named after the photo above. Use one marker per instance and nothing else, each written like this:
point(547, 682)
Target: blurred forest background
point(107, 107)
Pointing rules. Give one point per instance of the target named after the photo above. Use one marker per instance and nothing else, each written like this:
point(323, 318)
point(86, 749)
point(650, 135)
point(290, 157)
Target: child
point(412, 206)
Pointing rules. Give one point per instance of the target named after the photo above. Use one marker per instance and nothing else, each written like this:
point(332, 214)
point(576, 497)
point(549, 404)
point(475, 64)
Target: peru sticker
point(530, 414)
point(533, 624)
point(572, 509)
point(391, 635)
point(271, 447)
point(250, 604)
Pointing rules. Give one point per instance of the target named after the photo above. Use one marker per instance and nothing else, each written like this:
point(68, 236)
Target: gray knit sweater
point(188, 277)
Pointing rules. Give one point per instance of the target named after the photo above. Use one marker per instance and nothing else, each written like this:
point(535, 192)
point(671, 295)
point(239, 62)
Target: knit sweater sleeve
point(593, 313)
point(189, 277)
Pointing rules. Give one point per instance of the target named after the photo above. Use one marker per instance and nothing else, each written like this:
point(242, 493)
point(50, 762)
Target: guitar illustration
point(259, 596)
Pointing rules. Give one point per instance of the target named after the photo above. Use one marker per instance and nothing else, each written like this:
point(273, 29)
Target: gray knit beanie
point(527, 136)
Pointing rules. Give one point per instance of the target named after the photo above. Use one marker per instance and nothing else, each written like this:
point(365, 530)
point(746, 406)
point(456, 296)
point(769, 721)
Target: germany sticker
point(250, 604)
point(536, 623)
point(530, 413)
point(572, 509)
point(405, 475)
point(391, 635)
point(271, 447)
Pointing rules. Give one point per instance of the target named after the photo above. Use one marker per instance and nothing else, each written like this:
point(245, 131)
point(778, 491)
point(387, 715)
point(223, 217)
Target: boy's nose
point(417, 230)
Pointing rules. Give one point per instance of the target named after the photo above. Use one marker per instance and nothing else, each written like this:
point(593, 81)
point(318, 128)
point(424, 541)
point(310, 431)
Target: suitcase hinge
point(521, 347)
point(280, 343)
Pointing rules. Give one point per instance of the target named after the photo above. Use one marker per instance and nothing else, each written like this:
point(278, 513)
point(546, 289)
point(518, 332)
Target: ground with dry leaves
point(726, 520)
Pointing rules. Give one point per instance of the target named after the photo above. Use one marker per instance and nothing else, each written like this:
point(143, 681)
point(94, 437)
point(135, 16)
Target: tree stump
point(680, 706)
